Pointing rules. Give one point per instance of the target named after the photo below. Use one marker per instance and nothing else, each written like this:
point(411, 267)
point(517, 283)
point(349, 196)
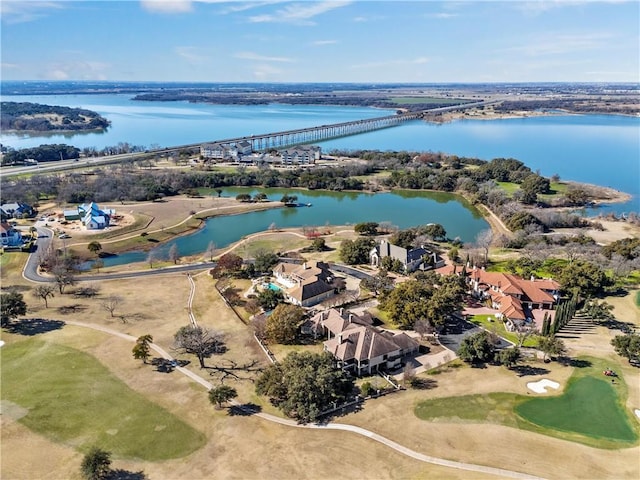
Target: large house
point(301, 155)
point(357, 345)
point(307, 284)
point(10, 237)
point(218, 151)
point(91, 216)
point(520, 303)
point(411, 259)
point(16, 210)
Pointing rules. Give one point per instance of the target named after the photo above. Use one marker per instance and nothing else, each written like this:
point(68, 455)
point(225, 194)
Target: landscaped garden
point(591, 410)
point(70, 397)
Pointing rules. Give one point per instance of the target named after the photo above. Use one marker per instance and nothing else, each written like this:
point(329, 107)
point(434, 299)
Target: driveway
point(457, 329)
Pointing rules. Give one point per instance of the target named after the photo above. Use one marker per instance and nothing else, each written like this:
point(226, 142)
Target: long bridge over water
point(260, 142)
point(300, 136)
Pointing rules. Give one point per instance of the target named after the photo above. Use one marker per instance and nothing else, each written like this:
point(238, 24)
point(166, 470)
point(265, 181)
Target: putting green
point(588, 406)
point(72, 398)
point(591, 410)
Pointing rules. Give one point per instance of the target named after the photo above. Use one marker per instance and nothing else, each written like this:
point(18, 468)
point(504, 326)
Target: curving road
point(45, 235)
point(471, 467)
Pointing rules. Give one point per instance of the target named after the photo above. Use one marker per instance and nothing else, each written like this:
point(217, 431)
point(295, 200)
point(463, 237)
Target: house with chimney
point(356, 344)
point(519, 302)
point(412, 259)
point(307, 284)
point(10, 236)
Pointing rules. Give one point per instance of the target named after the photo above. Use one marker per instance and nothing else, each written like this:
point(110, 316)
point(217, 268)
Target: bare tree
point(199, 342)
point(111, 303)
point(63, 277)
point(211, 250)
point(151, 257)
point(483, 241)
point(44, 292)
point(173, 254)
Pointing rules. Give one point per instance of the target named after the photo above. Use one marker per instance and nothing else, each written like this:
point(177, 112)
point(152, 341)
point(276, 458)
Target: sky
point(321, 41)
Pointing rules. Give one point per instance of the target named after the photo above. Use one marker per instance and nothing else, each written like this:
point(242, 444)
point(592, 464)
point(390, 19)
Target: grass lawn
point(72, 398)
point(556, 189)
point(589, 398)
point(492, 324)
point(590, 410)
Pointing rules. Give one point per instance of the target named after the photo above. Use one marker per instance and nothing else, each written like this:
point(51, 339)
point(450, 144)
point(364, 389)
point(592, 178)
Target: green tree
point(94, 247)
point(403, 238)
point(198, 341)
point(305, 384)
point(142, 348)
point(477, 348)
point(378, 283)
point(551, 346)
point(269, 299)
point(44, 292)
point(583, 277)
point(435, 231)
point(12, 305)
point(222, 394)
point(318, 245)
point(598, 310)
point(265, 260)
point(283, 324)
point(509, 356)
point(627, 346)
point(356, 252)
point(96, 464)
point(366, 228)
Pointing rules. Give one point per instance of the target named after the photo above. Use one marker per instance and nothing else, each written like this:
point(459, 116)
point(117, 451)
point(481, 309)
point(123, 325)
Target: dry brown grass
point(248, 448)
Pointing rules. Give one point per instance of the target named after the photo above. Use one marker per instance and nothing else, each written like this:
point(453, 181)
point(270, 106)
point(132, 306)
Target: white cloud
point(441, 15)
point(19, 11)
point(391, 63)
point(186, 6)
point(264, 72)
point(77, 70)
point(368, 18)
point(167, 6)
point(561, 44)
point(299, 13)
point(324, 42)
point(191, 54)
point(261, 58)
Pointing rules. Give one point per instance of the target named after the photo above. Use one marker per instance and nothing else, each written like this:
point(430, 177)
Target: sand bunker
point(541, 385)
point(637, 410)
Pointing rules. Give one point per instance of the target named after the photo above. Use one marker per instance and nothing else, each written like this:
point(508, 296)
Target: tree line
point(34, 116)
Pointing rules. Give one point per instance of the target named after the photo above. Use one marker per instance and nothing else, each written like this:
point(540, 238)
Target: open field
point(68, 396)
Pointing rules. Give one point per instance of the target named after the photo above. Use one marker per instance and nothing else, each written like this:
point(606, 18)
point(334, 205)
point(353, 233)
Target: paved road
point(471, 467)
point(45, 236)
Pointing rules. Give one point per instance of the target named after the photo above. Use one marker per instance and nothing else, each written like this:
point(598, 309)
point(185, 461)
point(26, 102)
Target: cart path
point(328, 426)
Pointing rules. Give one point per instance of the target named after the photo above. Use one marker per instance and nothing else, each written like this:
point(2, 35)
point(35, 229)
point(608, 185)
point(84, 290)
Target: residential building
point(411, 259)
point(16, 210)
point(301, 155)
point(520, 303)
point(10, 237)
point(214, 151)
point(357, 345)
point(307, 284)
point(244, 147)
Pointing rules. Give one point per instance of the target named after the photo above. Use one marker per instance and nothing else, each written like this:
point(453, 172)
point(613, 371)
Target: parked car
point(64, 235)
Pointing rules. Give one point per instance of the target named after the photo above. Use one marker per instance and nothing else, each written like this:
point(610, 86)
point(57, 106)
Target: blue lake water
point(599, 149)
point(403, 208)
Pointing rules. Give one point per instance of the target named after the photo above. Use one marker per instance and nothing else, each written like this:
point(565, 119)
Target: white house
point(301, 155)
point(306, 284)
